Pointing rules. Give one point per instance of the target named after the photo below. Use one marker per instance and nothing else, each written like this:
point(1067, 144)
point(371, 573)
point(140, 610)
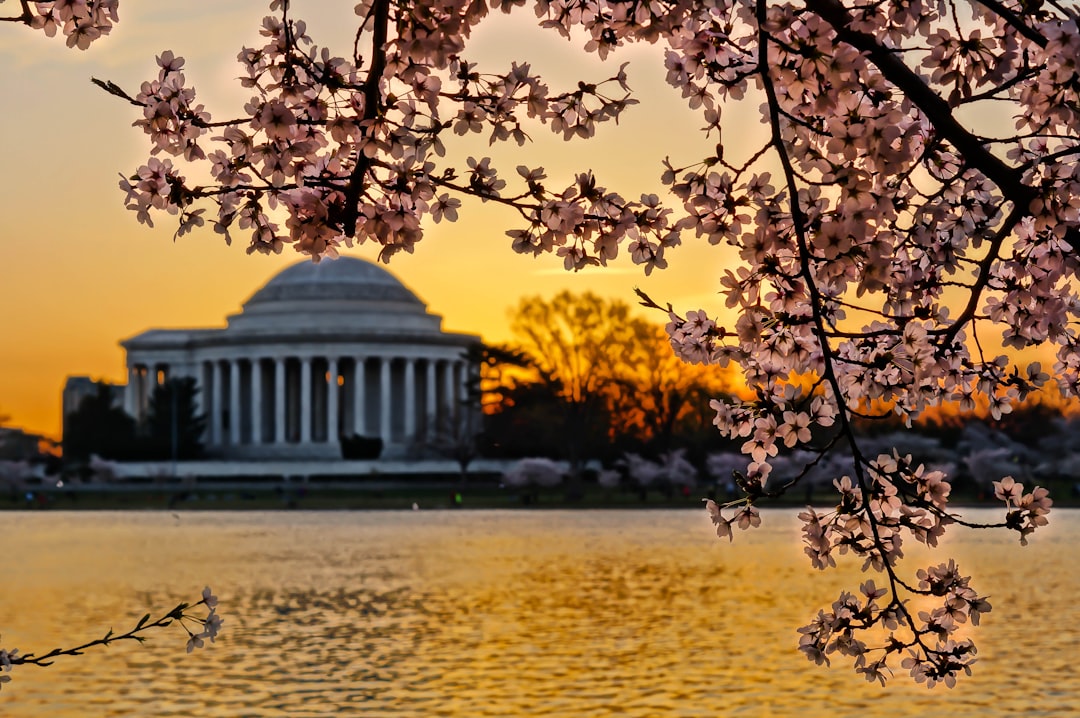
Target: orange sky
point(78, 273)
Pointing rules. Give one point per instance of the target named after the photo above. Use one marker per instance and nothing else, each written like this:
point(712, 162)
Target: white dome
point(342, 279)
point(335, 296)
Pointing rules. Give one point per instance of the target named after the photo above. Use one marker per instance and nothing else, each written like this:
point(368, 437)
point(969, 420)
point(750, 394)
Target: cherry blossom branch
point(935, 108)
point(985, 268)
point(1015, 21)
point(25, 17)
point(934, 663)
point(208, 627)
point(798, 227)
point(372, 110)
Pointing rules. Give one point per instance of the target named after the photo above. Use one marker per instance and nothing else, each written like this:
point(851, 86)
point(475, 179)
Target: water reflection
point(636, 613)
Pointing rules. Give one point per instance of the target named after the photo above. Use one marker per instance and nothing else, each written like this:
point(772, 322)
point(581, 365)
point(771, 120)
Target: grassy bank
point(429, 495)
point(344, 498)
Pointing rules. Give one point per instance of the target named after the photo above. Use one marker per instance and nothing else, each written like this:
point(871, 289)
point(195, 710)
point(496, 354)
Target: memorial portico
point(322, 351)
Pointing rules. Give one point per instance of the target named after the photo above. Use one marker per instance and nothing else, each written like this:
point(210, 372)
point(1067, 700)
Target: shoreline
point(429, 495)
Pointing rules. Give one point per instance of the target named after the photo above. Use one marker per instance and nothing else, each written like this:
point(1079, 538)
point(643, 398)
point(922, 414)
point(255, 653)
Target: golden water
point(489, 613)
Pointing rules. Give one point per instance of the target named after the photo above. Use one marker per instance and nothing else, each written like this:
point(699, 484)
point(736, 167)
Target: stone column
point(279, 400)
point(463, 380)
point(410, 398)
point(216, 402)
point(234, 402)
point(199, 375)
point(332, 402)
point(256, 401)
point(130, 393)
point(144, 393)
point(140, 391)
point(305, 400)
point(430, 397)
point(359, 415)
point(384, 400)
point(465, 409)
point(448, 392)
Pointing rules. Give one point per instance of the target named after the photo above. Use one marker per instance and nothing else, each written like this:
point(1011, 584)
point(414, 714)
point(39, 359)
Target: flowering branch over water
point(199, 629)
point(899, 499)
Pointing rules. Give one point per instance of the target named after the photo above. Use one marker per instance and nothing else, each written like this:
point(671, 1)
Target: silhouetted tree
point(174, 427)
point(591, 380)
point(656, 401)
point(577, 345)
point(99, 427)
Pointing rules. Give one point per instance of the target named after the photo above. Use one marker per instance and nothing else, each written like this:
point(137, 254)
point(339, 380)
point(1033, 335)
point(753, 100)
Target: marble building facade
point(321, 351)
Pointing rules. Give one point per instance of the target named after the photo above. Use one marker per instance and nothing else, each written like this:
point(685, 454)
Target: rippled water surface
point(478, 613)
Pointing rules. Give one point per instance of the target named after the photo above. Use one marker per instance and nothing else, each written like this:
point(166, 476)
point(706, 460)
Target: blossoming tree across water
point(886, 239)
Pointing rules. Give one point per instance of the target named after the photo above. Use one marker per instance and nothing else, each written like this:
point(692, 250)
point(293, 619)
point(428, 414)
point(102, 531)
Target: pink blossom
point(876, 245)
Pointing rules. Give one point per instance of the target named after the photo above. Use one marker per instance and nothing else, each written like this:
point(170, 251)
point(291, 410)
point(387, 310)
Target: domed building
point(322, 351)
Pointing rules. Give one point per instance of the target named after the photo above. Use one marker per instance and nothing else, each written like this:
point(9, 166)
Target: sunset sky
point(78, 273)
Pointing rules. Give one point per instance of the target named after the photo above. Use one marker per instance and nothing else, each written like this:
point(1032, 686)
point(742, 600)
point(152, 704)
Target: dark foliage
point(361, 448)
point(98, 427)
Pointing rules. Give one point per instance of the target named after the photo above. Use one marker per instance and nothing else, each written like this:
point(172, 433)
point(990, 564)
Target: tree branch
point(937, 110)
point(1015, 20)
point(372, 101)
point(25, 17)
